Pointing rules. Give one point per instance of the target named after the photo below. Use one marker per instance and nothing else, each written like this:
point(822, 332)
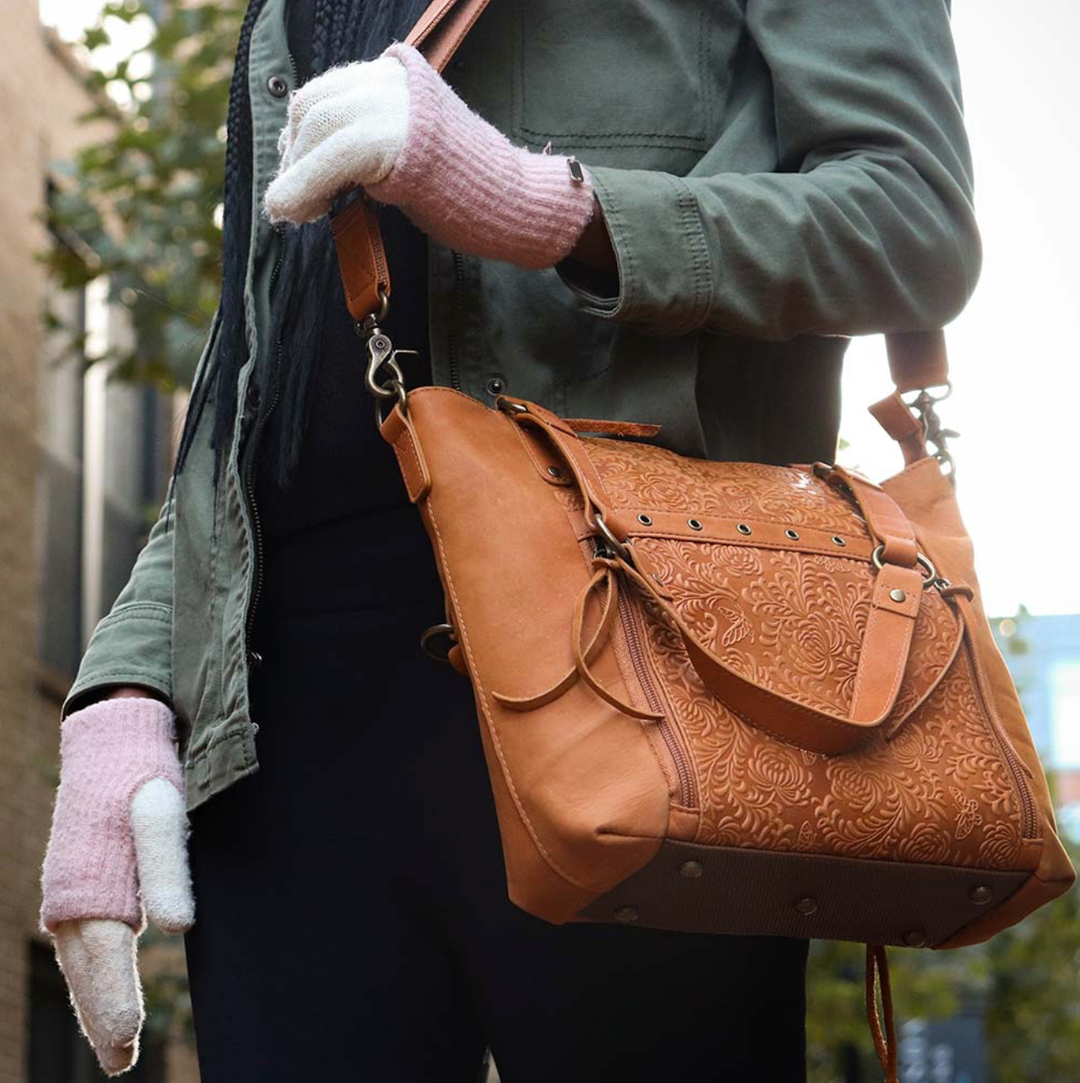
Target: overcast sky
point(1014, 350)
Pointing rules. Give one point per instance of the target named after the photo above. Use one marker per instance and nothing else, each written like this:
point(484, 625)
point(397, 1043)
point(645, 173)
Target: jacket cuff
point(132, 645)
point(665, 274)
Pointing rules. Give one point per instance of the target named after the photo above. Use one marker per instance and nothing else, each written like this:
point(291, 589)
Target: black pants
point(352, 919)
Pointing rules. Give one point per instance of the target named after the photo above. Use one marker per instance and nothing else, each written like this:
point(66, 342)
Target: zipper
point(249, 478)
point(455, 312)
point(1027, 802)
point(687, 791)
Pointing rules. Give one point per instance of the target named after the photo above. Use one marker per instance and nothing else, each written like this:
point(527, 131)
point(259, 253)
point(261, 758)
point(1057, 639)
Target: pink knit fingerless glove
point(107, 751)
point(461, 180)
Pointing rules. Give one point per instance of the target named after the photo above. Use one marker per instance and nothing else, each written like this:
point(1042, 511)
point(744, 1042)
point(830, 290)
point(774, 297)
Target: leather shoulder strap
point(357, 237)
point(440, 30)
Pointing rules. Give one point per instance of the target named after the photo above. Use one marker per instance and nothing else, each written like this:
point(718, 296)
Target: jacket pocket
point(622, 74)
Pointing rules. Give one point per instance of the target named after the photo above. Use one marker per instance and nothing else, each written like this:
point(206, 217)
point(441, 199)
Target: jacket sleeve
point(132, 644)
point(868, 224)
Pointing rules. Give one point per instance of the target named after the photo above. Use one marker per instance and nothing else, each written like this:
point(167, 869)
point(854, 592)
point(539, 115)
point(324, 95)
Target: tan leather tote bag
point(721, 697)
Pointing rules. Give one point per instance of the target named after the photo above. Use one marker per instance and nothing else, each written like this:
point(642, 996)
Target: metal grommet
point(627, 915)
point(898, 595)
point(792, 534)
point(277, 86)
point(695, 524)
point(837, 540)
point(981, 895)
point(691, 869)
point(555, 471)
point(916, 938)
point(742, 528)
point(807, 905)
point(644, 520)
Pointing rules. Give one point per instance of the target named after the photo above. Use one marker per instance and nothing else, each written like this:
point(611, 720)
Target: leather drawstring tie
point(606, 574)
point(877, 974)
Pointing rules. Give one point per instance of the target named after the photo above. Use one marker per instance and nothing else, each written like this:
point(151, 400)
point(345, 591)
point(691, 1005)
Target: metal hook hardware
point(924, 404)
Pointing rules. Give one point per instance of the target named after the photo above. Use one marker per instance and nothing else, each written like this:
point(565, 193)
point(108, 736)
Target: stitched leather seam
point(410, 450)
point(633, 509)
point(702, 538)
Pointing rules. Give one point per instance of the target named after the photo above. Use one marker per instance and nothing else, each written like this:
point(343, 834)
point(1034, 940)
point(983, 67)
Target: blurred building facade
point(83, 467)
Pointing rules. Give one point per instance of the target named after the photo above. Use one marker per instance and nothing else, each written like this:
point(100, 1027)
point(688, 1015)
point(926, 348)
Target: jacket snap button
point(980, 895)
point(806, 905)
point(627, 915)
point(496, 386)
point(277, 86)
point(691, 869)
point(915, 939)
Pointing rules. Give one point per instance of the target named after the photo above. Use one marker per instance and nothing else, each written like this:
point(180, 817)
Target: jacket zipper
point(256, 522)
point(687, 794)
point(1027, 802)
point(455, 312)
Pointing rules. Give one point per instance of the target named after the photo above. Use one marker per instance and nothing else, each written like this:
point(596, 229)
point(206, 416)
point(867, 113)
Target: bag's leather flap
point(769, 574)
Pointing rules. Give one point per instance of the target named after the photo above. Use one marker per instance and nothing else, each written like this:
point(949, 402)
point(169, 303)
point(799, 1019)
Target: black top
point(347, 499)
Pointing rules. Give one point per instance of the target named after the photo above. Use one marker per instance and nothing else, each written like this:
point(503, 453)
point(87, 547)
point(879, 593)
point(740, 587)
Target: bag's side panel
point(576, 778)
point(929, 501)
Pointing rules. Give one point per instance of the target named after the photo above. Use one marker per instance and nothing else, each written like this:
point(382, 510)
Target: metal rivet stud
point(694, 524)
point(806, 905)
point(742, 528)
point(981, 895)
point(555, 471)
point(897, 595)
point(837, 540)
point(277, 86)
point(644, 520)
point(792, 534)
point(691, 869)
point(627, 915)
point(915, 939)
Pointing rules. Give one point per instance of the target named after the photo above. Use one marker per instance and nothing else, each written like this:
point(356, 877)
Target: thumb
point(160, 827)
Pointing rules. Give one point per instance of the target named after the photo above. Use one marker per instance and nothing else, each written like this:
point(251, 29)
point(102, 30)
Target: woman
point(758, 179)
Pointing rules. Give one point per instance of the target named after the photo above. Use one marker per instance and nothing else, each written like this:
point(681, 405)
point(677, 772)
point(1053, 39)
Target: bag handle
point(883, 653)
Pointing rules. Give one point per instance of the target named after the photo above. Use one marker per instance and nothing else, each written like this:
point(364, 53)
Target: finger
point(97, 958)
point(160, 827)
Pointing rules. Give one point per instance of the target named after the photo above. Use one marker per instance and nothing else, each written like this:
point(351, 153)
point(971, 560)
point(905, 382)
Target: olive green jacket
point(775, 175)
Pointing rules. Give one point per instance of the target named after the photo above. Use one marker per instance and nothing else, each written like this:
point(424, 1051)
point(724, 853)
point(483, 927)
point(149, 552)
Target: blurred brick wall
point(42, 99)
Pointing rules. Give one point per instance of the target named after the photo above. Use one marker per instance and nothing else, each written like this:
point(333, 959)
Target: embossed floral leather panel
point(933, 785)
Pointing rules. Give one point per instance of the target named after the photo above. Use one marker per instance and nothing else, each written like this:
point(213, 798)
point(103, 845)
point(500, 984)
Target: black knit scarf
point(343, 30)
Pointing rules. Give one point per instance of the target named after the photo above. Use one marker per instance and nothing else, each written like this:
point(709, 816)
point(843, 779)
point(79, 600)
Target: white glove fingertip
point(160, 828)
point(97, 957)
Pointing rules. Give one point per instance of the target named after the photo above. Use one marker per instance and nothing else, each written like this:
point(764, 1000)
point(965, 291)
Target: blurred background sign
point(943, 1051)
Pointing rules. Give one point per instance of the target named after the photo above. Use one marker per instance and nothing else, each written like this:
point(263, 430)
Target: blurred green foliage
point(141, 202)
